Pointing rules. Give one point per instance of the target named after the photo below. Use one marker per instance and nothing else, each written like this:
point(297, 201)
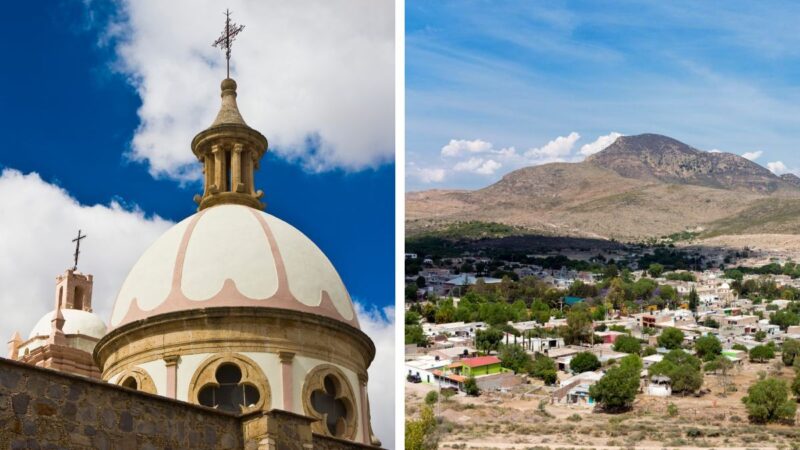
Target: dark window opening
point(230, 395)
point(332, 408)
point(77, 301)
point(130, 383)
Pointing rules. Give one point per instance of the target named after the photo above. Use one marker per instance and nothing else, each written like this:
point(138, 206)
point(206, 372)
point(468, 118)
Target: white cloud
point(557, 148)
point(508, 152)
point(313, 72)
point(478, 165)
point(458, 147)
point(752, 156)
point(489, 167)
point(778, 167)
point(379, 326)
point(427, 175)
point(599, 144)
point(38, 222)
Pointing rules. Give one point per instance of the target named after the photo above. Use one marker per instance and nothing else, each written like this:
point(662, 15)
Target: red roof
point(450, 376)
point(477, 362)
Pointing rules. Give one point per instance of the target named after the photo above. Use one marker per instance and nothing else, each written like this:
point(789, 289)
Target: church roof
point(232, 255)
point(76, 321)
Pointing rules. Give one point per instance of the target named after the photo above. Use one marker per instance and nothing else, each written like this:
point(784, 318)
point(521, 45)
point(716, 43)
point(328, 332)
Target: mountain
point(638, 187)
point(656, 157)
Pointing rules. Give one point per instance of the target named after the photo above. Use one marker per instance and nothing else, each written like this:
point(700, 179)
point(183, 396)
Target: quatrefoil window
point(228, 393)
point(328, 404)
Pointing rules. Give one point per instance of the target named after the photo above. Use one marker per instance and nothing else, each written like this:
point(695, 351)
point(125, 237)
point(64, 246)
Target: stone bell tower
point(230, 151)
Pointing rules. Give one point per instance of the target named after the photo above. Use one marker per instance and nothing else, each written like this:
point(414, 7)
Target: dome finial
point(229, 149)
point(225, 41)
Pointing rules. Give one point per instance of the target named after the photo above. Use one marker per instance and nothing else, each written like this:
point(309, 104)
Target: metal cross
point(77, 242)
point(225, 41)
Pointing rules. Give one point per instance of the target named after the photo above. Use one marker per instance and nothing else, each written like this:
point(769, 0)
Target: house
point(425, 366)
point(475, 367)
point(659, 386)
point(609, 337)
point(652, 359)
point(575, 390)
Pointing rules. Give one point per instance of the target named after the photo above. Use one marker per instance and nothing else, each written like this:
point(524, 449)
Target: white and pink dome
point(232, 255)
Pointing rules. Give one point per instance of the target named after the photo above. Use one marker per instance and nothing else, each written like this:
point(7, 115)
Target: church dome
point(76, 321)
point(232, 255)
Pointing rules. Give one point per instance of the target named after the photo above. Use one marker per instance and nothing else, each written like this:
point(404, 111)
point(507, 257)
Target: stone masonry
point(46, 409)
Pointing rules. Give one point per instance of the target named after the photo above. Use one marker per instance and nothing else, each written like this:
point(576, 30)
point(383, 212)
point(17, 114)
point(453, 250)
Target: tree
point(671, 338)
point(611, 271)
point(760, 335)
point(415, 335)
point(627, 344)
point(420, 433)
point(514, 357)
point(682, 368)
point(584, 362)
point(411, 292)
point(768, 401)
point(721, 365)
point(789, 351)
point(489, 339)
point(694, 300)
point(446, 312)
point(707, 347)
point(471, 386)
point(784, 319)
point(655, 270)
point(617, 389)
point(796, 385)
point(761, 353)
point(543, 368)
point(579, 325)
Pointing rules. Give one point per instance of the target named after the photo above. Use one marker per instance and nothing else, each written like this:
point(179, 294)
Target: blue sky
point(70, 116)
point(494, 86)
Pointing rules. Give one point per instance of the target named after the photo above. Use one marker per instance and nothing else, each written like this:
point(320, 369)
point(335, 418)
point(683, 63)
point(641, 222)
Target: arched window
point(130, 383)
point(136, 378)
point(334, 409)
point(229, 393)
point(230, 382)
point(328, 397)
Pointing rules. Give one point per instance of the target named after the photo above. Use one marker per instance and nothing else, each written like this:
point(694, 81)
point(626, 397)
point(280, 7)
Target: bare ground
point(514, 421)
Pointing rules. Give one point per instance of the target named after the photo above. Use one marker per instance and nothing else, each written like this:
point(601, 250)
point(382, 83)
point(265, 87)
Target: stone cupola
point(230, 152)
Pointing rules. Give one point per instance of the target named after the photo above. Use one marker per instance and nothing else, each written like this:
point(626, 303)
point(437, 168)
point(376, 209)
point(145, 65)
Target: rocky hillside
point(640, 186)
point(656, 157)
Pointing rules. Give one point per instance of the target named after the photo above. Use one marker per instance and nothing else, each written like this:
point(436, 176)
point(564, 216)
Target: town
point(653, 345)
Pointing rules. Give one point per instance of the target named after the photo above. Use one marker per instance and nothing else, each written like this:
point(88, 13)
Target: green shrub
point(431, 398)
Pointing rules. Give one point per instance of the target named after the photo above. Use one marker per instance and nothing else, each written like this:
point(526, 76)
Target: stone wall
point(46, 409)
point(43, 408)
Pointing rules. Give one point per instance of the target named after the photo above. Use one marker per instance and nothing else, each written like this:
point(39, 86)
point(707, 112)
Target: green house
point(475, 367)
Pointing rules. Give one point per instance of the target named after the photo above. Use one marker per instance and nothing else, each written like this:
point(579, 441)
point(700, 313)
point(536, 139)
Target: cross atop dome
point(225, 41)
point(229, 149)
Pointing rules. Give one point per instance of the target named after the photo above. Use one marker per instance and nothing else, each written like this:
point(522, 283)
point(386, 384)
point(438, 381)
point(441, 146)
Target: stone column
point(172, 375)
point(220, 178)
point(236, 169)
point(287, 378)
point(208, 172)
point(365, 427)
